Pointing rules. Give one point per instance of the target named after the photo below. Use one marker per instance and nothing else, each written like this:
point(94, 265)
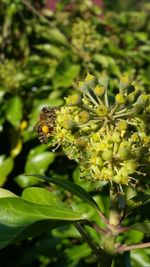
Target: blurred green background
point(43, 55)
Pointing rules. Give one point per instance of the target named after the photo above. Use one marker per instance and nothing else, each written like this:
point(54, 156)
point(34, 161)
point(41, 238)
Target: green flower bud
point(99, 90)
point(120, 99)
point(143, 100)
point(81, 142)
point(107, 154)
point(102, 110)
point(124, 151)
point(122, 125)
point(99, 161)
point(132, 96)
point(116, 137)
point(130, 165)
point(84, 116)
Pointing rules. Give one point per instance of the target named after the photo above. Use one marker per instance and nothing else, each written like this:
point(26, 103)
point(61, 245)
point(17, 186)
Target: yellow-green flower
point(109, 139)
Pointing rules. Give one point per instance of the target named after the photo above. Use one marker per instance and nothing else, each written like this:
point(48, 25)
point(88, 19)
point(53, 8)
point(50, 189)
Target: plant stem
point(127, 248)
point(104, 219)
point(26, 3)
point(113, 110)
point(96, 227)
point(123, 115)
point(121, 229)
point(87, 238)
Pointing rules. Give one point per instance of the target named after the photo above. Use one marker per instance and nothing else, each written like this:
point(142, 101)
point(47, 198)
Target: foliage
point(43, 55)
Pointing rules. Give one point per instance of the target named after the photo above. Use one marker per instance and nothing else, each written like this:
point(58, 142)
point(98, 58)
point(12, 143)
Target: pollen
point(45, 129)
point(23, 125)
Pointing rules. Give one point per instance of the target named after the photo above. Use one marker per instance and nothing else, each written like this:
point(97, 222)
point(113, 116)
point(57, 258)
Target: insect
point(46, 125)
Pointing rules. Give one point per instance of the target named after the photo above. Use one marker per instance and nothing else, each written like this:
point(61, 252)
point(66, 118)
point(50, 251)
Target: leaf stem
point(127, 248)
point(103, 217)
point(26, 3)
point(122, 115)
point(96, 227)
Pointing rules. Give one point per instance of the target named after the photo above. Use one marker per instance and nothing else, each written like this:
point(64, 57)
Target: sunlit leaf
point(6, 193)
point(20, 219)
point(71, 187)
point(6, 166)
point(39, 162)
point(42, 196)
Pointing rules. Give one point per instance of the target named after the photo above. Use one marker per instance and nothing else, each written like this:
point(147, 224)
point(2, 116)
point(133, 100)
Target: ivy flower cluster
point(109, 136)
point(84, 38)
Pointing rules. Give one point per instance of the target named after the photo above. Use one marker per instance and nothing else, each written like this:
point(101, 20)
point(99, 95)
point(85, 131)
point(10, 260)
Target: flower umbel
point(110, 138)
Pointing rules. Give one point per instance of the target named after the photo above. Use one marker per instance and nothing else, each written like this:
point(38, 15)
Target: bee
point(46, 125)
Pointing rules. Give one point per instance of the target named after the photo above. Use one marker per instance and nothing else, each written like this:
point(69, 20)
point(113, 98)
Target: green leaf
point(142, 227)
point(51, 34)
point(14, 110)
point(51, 50)
point(39, 162)
point(73, 188)
point(6, 166)
point(78, 252)
point(65, 75)
point(57, 36)
point(42, 196)
point(20, 219)
point(6, 193)
point(25, 181)
point(140, 257)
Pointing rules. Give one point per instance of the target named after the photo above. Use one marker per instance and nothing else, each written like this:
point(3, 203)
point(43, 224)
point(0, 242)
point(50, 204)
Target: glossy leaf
point(73, 188)
point(6, 193)
point(24, 181)
point(51, 50)
point(140, 257)
point(52, 34)
point(20, 219)
point(39, 162)
point(42, 196)
point(6, 166)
